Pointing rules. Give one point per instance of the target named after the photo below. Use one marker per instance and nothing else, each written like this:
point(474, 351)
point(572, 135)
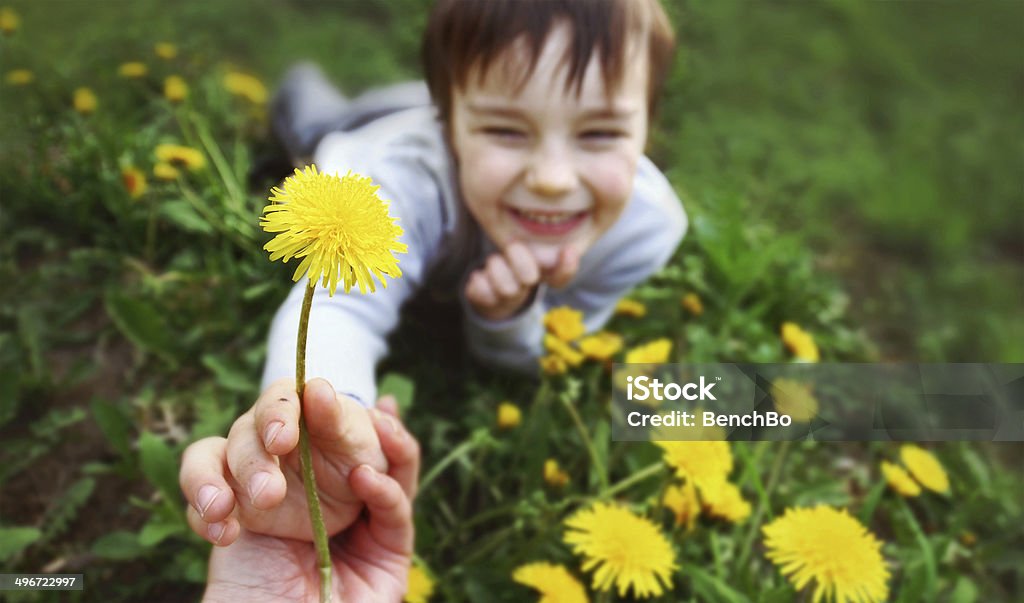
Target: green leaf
point(159, 464)
point(115, 426)
point(157, 530)
point(213, 415)
point(710, 588)
point(399, 386)
point(965, 591)
point(119, 546)
point(229, 376)
point(141, 323)
point(15, 540)
point(185, 216)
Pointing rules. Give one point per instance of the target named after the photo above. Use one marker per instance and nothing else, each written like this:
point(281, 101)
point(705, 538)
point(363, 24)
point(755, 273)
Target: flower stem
point(316, 516)
point(587, 440)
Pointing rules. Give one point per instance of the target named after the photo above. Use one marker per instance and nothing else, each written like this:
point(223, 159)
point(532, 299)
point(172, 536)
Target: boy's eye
point(599, 135)
point(504, 133)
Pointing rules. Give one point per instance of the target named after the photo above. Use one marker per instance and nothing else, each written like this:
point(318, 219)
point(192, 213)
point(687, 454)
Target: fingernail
point(273, 430)
point(370, 471)
point(256, 485)
point(205, 497)
point(216, 531)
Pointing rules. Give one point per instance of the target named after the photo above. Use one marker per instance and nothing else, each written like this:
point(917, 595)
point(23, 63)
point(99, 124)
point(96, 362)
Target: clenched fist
point(508, 279)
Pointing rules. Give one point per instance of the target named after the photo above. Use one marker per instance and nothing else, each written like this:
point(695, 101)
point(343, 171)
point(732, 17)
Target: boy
point(523, 188)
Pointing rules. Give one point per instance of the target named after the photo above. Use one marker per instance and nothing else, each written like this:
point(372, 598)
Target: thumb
point(565, 269)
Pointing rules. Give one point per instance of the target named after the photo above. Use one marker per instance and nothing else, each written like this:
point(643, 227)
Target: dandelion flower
point(795, 399)
point(626, 550)
point(723, 499)
point(925, 468)
point(682, 501)
point(899, 480)
point(702, 462)
point(630, 307)
point(9, 20)
point(691, 302)
point(555, 583)
point(339, 226)
point(509, 416)
point(180, 156)
point(165, 50)
point(553, 365)
point(554, 475)
point(601, 346)
point(132, 70)
point(84, 101)
point(246, 86)
point(19, 77)
point(165, 171)
point(420, 586)
point(563, 350)
point(654, 352)
point(832, 549)
point(175, 89)
point(800, 343)
point(134, 181)
point(565, 323)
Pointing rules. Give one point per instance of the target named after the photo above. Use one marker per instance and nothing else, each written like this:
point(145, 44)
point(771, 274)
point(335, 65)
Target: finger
point(277, 417)
point(565, 270)
point(220, 533)
point(479, 291)
point(502, 280)
point(523, 264)
point(338, 425)
point(401, 449)
point(203, 480)
point(390, 522)
point(255, 469)
point(388, 405)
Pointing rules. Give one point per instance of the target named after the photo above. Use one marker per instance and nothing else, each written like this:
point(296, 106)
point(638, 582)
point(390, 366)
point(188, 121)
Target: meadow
point(853, 170)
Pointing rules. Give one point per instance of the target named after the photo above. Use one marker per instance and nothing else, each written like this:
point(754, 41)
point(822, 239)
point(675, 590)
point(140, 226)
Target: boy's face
point(542, 165)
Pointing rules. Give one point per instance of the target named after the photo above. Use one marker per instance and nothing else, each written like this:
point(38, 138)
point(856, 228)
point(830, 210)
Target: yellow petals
point(925, 468)
point(630, 307)
point(563, 350)
point(509, 416)
point(165, 171)
point(9, 20)
point(553, 364)
point(132, 70)
point(175, 89)
point(723, 499)
point(682, 501)
point(899, 480)
point(706, 463)
point(800, 343)
point(565, 323)
point(555, 583)
point(180, 156)
point(691, 302)
point(19, 77)
point(134, 181)
point(601, 346)
point(420, 586)
point(554, 475)
point(795, 399)
point(84, 101)
point(339, 226)
point(654, 352)
point(165, 50)
point(246, 86)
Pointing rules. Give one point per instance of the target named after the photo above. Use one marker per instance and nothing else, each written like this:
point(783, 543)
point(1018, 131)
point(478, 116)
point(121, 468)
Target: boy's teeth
point(547, 218)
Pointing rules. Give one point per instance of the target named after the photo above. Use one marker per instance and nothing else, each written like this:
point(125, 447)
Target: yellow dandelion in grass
point(19, 77)
point(682, 501)
point(630, 307)
point(702, 462)
point(246, 86)
point(554, 475)
point(165, 171)
point(925, 468)
point(564, 323)
point(794, 398)
point(654, 352)
point(132, 70)
point(420, 586)
point(828, 547)
point(180, 156)
point(899, 480)
point(601, 346)
point(553, 365)
point(563, 350)
point(626, 550)
point(175, 89)
point(555, 583)
point(134, 181)
point(691, 302)
point(723, 499)
point(84, 101)
point(339, 226)
point(165, 50)
point(509, 416)
point(800, 342)
point(9, 20)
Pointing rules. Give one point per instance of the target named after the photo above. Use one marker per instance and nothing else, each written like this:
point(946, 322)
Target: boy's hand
point(253, 479)
point(508, 279)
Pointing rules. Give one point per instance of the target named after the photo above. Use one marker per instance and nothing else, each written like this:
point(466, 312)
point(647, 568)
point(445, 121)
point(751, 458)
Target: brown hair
point(465, 34)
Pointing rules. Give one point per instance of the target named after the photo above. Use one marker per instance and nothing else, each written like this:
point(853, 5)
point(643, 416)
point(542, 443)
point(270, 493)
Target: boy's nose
point(551, 174)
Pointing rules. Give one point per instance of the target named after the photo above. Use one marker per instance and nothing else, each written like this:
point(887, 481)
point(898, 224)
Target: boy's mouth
point(548, 222)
